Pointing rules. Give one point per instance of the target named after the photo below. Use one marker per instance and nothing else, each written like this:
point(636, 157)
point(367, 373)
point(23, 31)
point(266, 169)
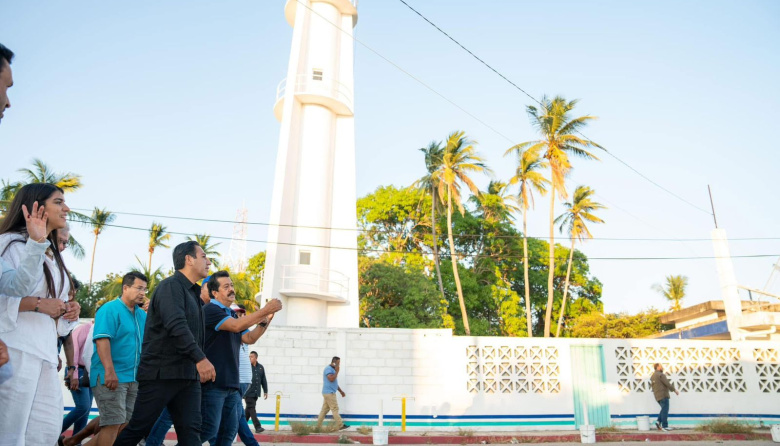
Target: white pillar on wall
point(311, 261)
point(728, 283)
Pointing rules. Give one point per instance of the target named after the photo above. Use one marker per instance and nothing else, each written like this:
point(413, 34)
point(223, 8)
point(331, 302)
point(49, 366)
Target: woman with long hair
point(29, 325)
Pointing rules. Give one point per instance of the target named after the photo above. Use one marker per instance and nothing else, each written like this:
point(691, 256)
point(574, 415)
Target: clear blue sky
point(166, 108)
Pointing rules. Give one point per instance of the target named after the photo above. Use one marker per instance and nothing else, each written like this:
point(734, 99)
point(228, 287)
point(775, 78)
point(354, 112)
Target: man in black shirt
point(259, 387)
point(224, 334)
point(173, 364)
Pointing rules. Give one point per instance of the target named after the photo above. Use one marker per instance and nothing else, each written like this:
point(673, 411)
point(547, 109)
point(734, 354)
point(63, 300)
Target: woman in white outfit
point(31, 399)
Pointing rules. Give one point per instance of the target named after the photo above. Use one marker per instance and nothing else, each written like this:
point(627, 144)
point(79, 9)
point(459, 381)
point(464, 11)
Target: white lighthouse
point(311, 262)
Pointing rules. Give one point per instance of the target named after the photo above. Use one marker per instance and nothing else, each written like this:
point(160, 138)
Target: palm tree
point(495, 204)
point(527, 175)
point(40, 172)
point(559, 140)
point(157, 237)
point(578, 212)
point(458, 161)
point(433, 159)
point(204, 240)
point(100, 219)
point(155, 276)
point(674, 291)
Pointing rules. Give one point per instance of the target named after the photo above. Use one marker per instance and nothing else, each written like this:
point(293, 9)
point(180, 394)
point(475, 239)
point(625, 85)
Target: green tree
point(155, 276)
point(673, 290)
point(255, 267)
point(399, 296)
point(460, 159)
point(246, 290)
point(204, 240)
point(158, 235)
point(507, 302)
point(616, 326)
point(578, 212)
point(431, 182)
point(496, 204)
point(99, 220)
point(584, 289)
point(101, 291)
point(530, 180)
point(559, 132)
point(393, 220)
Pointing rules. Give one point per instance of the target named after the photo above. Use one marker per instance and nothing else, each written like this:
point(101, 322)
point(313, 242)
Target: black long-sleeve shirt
point(258, 381)
point(175, 331)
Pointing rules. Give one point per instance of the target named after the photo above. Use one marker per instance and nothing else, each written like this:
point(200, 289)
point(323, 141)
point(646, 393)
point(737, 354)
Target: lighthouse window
point(304, 258)
point(316, 74)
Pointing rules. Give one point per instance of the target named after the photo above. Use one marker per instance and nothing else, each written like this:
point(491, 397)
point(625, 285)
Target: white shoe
point(666, 429)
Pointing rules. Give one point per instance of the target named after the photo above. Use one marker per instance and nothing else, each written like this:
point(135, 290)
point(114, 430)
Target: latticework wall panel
point(690, 369)
point(507, 369)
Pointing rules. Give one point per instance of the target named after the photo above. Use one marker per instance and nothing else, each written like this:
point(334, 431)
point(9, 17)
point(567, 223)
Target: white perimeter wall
point(487, 383)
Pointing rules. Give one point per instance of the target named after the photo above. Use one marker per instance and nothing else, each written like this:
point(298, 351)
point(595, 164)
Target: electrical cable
point(383, 231)
point(445, 255)
point(540, 103)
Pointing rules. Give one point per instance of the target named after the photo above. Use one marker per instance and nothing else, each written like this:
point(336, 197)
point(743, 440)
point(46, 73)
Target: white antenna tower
point(237, 254)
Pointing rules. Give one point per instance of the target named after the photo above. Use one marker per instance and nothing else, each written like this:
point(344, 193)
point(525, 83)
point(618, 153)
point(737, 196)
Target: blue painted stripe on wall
point(431, 417)
point(701, 415)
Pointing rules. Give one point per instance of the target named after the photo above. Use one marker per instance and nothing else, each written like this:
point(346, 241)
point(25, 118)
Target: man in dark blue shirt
point(224, 334)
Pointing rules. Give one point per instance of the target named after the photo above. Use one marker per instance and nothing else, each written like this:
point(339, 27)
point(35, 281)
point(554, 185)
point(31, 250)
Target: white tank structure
point(311, 262)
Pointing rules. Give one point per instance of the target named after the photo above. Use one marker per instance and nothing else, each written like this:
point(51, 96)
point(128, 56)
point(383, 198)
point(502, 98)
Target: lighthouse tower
point(311, 260)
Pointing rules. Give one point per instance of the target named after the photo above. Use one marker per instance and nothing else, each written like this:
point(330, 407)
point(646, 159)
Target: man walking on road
point(661, 388)
point(118, 334)
point(258, 387)
point(330, 385)
point(173, 364)
point(224, 334)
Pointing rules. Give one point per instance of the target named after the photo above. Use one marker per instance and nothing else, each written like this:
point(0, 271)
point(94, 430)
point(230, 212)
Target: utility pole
point(712, 205)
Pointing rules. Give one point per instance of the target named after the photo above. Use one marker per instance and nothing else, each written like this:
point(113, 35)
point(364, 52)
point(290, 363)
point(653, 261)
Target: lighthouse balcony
point(316, 89)
point(314, 283)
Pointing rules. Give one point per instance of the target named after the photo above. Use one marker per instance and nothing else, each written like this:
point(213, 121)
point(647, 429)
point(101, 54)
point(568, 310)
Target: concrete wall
point(485, 383)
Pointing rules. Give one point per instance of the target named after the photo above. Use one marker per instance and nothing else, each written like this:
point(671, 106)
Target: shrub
point(725, 426)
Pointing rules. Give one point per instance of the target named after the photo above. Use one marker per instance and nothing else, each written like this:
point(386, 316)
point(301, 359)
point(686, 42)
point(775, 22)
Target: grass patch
point(465, 432)
point(343, 439)
point(364, 430)
point(611, 429)
point(725, 426)
point(302, 427)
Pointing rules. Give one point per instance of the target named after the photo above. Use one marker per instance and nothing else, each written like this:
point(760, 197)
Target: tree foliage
point(620, 325)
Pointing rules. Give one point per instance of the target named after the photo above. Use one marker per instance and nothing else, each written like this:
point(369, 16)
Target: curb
point(513, 439)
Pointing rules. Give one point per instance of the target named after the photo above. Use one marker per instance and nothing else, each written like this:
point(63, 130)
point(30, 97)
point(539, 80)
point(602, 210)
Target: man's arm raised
point(239, 325)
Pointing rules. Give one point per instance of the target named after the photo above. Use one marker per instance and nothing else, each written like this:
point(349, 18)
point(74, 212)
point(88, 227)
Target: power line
point(399, 68)
point(474, 256)
point(384, 231)
point(538, 102)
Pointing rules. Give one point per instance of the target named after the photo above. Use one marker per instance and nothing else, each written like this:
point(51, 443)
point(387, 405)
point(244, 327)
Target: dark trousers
point(180, 396)
point(82, 400)
point(251, 411)
point(663, 416)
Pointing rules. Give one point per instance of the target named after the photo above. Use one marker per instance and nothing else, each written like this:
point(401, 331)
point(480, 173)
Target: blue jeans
point(82, 400)
point(663, 416)
point(161, 427)
point(218, 412)
point(244, 433)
